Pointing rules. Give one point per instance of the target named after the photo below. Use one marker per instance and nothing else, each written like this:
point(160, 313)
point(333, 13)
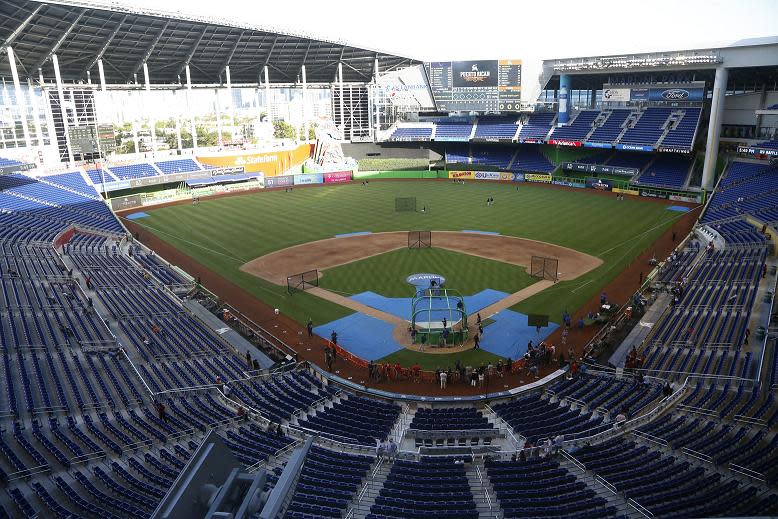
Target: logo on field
point(425, 280)
point(675, 94)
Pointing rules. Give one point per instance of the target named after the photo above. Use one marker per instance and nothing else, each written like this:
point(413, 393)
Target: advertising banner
point(268, 162)
point(518, 177)
point(633, 192)
point(507, 176)
point(452, 139)
point(678, 198)
point(4, 170)
point(568, 183)
point(337, 177)
point(651, 194)
point(634, 147)
point(125, 202)
point(638, 94)
point(756, 150)
point(487, 175)
point(615, 95)
point(537, 177)
point(599, 184)
point(532, 141)
point(676, 94)
point(674, 149)
point(606, 145)
point(312, 178)
point(462, 175)
point(280, 181)
point(576, 144)
point(600, 168)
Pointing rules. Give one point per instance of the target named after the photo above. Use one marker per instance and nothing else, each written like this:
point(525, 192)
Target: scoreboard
point(479, 86)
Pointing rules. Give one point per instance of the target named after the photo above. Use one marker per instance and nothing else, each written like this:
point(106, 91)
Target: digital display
point(477, 86)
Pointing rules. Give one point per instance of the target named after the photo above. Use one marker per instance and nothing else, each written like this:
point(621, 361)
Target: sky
point(431, 30)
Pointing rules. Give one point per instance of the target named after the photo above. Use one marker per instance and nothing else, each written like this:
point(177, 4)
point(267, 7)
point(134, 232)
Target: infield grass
point(385, 273)
point(224, 233)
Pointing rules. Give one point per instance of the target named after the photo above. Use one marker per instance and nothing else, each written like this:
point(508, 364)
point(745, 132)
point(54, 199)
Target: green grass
point(429, 361)
point(224, 233)
point(385, 274)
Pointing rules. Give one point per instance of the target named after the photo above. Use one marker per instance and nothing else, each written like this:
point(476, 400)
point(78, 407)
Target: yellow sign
point(536, 177)
point(461, 175)
point(633, 192)
point(271, 163)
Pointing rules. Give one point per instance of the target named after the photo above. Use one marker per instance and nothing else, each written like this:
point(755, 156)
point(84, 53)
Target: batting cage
point(302, 281)
point(439, 317)
point(419, 239)
point(545, 268)
point(405, 204)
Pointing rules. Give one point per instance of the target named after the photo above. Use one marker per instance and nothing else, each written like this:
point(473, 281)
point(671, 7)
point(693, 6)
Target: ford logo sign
point(675, 94)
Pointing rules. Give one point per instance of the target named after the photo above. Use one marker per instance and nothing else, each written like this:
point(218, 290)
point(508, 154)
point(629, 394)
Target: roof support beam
point(192, 51)
point(59, 43)
point(149, 50)
point(106, 43)
point(18, 31)
point(357, 71)
point(230, 55)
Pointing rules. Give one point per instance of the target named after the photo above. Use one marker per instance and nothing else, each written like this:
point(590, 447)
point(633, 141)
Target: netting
point(544, 268)
point(419, 239)
point(302, 281)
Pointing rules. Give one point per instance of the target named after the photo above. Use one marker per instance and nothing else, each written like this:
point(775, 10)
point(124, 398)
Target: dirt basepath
point(332, 252)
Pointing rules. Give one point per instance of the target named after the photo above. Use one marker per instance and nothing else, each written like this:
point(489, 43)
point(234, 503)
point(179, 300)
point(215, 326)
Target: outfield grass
point(226, 232)
point(385, 274)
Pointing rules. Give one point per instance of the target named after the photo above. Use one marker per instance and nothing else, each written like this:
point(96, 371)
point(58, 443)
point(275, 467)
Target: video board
point(477, 86)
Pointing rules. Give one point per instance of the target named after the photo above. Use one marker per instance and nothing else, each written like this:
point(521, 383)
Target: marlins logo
point(475, 75)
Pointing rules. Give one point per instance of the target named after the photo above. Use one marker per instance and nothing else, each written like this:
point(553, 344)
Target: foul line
point(147, 227)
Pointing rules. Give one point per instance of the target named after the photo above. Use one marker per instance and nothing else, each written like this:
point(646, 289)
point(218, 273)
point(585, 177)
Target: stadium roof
point(124, 37)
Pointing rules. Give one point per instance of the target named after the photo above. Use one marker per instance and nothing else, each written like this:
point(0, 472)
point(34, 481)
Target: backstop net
point(545, 268)
point(302, 281)
point(419, 239)
point(405, 203)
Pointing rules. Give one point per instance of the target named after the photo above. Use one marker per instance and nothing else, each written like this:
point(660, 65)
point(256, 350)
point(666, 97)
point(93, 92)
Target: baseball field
point(255, 240)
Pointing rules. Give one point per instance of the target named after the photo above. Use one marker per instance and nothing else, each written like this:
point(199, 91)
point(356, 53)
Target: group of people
point(385, 449)
point(545, 449)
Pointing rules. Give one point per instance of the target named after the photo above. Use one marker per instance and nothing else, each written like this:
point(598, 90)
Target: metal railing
point(365, 490)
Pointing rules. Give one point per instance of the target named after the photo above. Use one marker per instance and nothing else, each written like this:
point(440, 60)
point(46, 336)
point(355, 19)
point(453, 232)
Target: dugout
point(430, 306)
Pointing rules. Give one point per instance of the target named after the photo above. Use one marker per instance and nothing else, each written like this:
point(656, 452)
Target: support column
point(376, 104)
point(192, 127)
point(268, 101)
point(230, 103)
point(342, 113)
point(35, 114)
point(218, 117)
point(20, 98)
point(259, 111)
point(61, 95)
point(714, 128)
point(563, 107)
point(593, 98)
point(101, 71)
point(305, 105)
point(152, 119)
point(177, 104)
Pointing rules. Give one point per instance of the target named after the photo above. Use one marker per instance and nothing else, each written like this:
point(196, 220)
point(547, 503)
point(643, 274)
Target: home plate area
point(506, 333)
